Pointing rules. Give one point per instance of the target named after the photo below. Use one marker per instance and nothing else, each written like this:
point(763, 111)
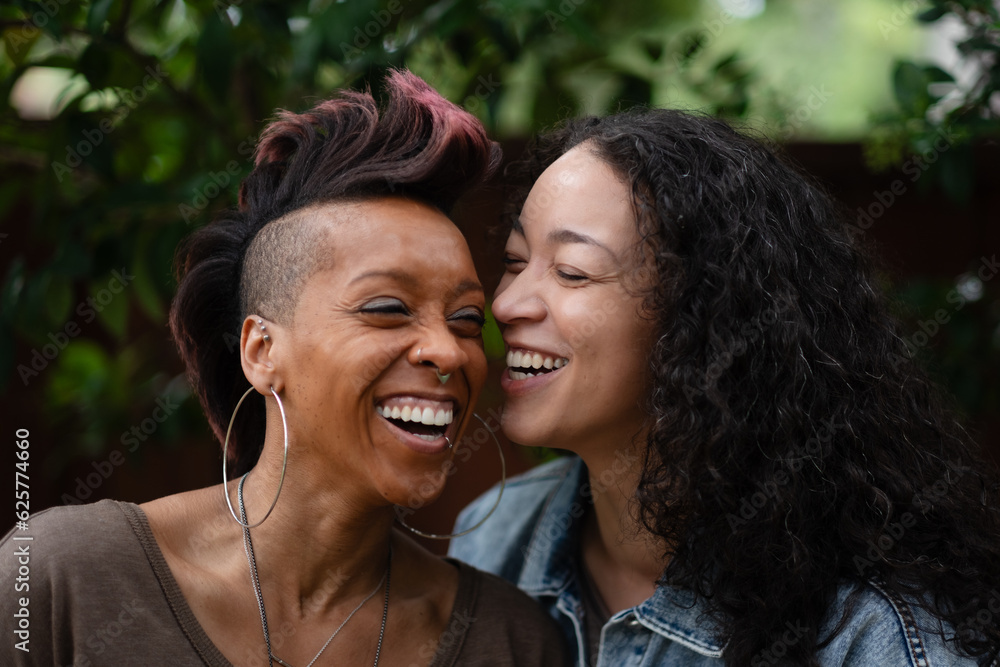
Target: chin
point(419, 490)
point(524, 430)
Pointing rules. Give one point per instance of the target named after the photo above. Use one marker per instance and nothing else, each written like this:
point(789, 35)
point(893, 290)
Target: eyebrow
point(563, 235)
point(410, 281)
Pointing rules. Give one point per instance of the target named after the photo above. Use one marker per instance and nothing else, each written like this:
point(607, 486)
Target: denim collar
point(550, 569)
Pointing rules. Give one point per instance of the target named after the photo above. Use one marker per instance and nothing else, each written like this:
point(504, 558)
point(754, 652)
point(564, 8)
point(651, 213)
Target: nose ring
point(442, 377)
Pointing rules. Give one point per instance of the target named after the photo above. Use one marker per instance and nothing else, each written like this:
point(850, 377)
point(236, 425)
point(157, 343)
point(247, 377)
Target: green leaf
point(931, 15)
point(98, 15)
point(910, 86)
point(936, 74)
point(18, 41)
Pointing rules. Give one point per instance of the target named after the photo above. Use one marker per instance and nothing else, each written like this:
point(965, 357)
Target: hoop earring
point(284, 461)
point(503, 484)
point(442, 377)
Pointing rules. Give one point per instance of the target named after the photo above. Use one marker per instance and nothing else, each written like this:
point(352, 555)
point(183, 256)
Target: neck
point(614, 540)
point(321, 544)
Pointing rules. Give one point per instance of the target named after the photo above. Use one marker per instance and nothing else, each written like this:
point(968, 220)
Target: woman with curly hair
point(331, 327)
point(761, 473)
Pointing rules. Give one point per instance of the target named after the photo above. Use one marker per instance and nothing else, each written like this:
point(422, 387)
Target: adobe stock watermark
point(131, 439)
point(931, 327)
point(363, 35)
point(453, 635)
point(775, 653)
point(750, 332)
point(566, 9)
point(17, 39)
point(87, 310)
point(814, 448)
point(924, 501)
point(803, 113)
point(914, 167)
point(986, 617)
point(216, 183)
point(427, 491)
point(902, 14)
point(624, 467)
point(711, 29)
point(92, 138)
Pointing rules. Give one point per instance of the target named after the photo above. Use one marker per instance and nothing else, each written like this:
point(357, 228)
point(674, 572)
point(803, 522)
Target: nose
point(439, 349)
point(517, 298)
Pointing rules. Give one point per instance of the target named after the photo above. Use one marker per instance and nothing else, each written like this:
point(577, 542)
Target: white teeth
point(417, 414)
point(514, 375)
point(534, 360)
point(427, 417)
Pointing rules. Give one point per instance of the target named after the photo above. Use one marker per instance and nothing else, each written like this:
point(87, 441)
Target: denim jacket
point(532, 540)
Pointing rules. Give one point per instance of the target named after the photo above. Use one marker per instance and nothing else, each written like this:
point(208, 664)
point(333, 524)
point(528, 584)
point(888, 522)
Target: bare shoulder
point(188, 526)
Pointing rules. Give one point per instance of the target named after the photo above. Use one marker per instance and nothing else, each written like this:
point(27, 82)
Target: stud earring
point(263, 327)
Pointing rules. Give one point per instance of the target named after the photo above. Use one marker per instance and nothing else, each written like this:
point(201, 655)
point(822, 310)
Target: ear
point(257, 356)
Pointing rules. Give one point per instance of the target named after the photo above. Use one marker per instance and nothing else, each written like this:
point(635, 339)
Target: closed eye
point(385, 306)
point(570, 276)
point(513, 263)
point(468, 321)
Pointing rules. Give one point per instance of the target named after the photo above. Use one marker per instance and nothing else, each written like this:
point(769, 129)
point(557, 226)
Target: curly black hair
point(793, 445)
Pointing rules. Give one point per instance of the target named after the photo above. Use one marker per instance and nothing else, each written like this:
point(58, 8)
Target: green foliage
point(940, 117)
point(129, 124)
point(931, 102)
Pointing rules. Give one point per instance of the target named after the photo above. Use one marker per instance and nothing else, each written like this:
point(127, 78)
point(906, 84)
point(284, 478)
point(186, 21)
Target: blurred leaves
point(128, 124)
point(931, 102)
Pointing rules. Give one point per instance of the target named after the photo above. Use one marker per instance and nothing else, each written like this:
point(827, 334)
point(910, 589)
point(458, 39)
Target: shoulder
point(880, 628)
point(492, 546)
point(76, 535)
point(501, 625)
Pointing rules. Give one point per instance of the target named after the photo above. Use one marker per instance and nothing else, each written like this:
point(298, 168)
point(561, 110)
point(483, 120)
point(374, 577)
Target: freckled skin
point(342, 356)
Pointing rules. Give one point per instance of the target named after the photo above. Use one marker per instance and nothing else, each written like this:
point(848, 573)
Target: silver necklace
point(255, 579)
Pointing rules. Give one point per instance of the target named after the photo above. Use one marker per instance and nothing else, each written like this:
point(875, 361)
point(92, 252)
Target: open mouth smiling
point(421, 417)
point(523, 364)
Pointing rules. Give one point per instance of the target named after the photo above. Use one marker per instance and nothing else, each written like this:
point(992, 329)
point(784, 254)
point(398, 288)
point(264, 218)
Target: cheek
point(593, 324)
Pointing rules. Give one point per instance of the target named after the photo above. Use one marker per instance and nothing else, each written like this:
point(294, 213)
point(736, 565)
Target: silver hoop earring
point(225, 449)
point(503, 484)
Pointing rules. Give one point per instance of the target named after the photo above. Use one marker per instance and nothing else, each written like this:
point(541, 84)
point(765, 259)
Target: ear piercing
point(442, 377)
point(263, 327)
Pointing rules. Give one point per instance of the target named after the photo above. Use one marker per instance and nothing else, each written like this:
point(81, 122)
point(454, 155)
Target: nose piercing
point(442, 377)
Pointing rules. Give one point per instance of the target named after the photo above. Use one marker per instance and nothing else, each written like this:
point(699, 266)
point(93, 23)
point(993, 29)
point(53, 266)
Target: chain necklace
point(255, 579)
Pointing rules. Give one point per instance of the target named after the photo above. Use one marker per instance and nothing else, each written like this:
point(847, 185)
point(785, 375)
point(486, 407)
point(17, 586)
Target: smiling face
point(570, 305)
point(363, 406)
